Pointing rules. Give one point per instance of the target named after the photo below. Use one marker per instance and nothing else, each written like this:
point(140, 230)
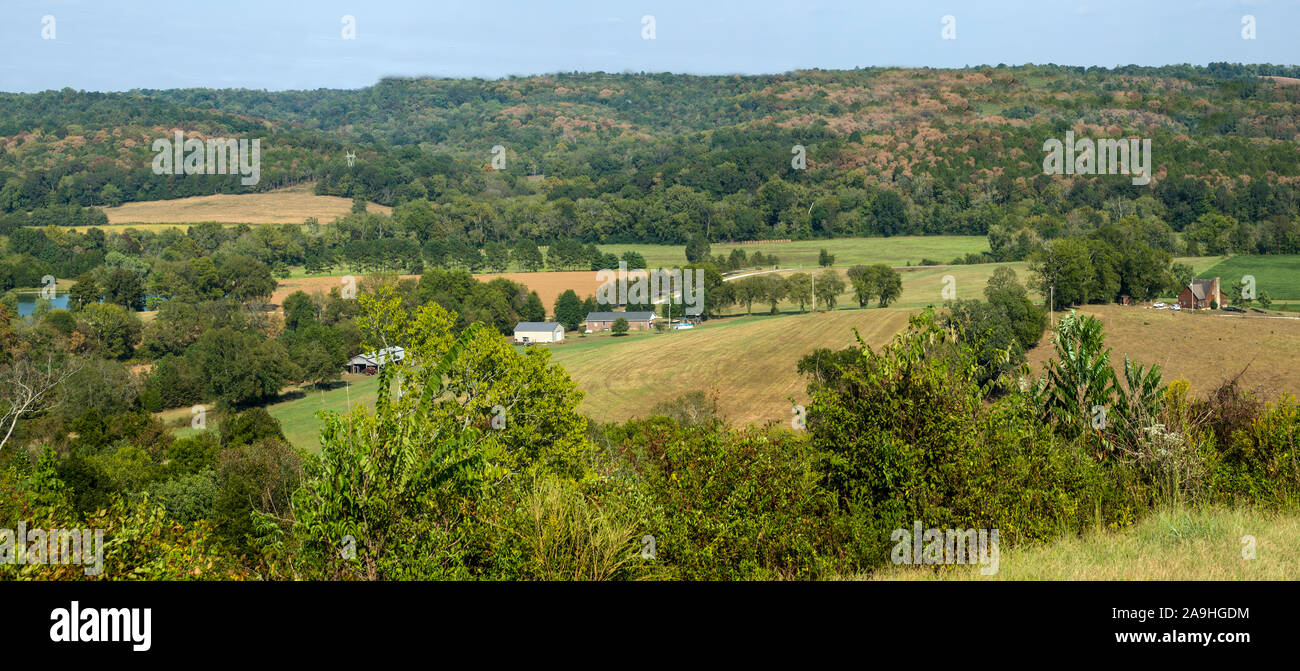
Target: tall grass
point(1177, 543)
point(568, 537)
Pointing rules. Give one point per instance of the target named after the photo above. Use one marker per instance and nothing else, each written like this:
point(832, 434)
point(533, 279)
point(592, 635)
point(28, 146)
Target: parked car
point(1159, 306)
point(1175, 307)
point(1230, 308)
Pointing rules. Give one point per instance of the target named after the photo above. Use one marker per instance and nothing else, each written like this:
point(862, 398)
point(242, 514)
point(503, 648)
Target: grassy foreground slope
point(1179, 544)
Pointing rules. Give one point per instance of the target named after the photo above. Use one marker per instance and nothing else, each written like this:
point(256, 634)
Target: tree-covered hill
point(663, 157)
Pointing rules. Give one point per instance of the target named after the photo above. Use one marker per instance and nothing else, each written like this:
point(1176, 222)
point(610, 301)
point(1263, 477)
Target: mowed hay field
point(548, 286)
point(895, 251)
point(290, 206)
point(322, 283)
point(748, 362)
point(1205, 348)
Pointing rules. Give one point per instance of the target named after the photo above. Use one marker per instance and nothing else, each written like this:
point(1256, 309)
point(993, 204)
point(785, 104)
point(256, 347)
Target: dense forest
point(664, 158)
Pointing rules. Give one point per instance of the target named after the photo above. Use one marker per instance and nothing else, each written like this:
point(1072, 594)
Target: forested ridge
point(663, 158)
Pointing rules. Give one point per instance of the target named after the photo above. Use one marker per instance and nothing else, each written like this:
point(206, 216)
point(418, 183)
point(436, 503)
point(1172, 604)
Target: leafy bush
point(906, 437)
point(1261, 463)
point(728, 504)
point(187, 498)
point(248, 427)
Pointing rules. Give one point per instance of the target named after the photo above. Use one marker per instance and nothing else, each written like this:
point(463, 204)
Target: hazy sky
point(113, 45)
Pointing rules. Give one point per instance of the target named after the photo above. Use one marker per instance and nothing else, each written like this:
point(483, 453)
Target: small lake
point(27, 303)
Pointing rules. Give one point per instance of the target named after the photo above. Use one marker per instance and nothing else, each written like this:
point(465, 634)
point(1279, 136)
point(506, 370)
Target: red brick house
point(1201, 294)
point(603, 321)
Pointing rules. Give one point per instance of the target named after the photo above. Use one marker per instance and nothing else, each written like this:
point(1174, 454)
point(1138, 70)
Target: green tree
point(1238, 292)
point(620, 326)
point(774, 290)
point(1063, 269)
point(244, 278)
point(496, 257)
point(749, 290)
point(299, 310)
point(84, 292)
point(1005, 293)
point(799, 288)
point(568, 310)
point(123, 287)
point(736, 260)
point(317, 364)
point(634, 260)
point(528, 256)
point(1180, 276)
point(987, 331)
point(248, 427)
point(115, 330)
point(863, 289)
point(255, 483)
point(533, 310)
point(889, 213)
point(829, 287)
point(697, 249)
point(241, 369)
point(881, 281)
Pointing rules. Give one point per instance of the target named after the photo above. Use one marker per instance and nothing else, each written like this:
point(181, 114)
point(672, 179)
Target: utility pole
point(814, 291)
point(1051, 305)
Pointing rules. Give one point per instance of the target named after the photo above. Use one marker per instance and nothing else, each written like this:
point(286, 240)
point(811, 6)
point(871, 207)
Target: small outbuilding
point(535, 332)
point(370, 362)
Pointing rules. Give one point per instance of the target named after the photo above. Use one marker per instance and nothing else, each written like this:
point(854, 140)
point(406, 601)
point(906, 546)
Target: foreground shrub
point(140, 540)
point(905, 437)
point(1261, 464)
point(726, 504)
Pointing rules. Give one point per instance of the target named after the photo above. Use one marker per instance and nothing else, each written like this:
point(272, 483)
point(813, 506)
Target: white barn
point(535, 332)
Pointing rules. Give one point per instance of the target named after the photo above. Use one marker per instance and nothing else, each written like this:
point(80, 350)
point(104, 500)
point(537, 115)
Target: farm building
point(370, 362)
point(1201, 294)
point(533, 332)
point(636, 321)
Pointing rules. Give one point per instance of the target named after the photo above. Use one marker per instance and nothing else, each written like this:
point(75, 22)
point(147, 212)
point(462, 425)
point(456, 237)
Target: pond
point(27, 303)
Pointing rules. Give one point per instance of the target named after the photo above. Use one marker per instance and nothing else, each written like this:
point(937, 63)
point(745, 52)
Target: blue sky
point(114, 45)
